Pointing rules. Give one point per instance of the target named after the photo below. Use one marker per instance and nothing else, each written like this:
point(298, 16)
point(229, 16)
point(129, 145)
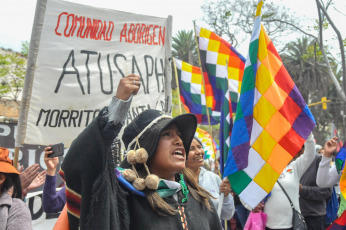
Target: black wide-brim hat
point(147, 128)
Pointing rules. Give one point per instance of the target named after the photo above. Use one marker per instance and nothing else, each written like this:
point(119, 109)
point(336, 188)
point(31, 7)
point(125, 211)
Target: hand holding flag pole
point(221, 197)
point(225, 189)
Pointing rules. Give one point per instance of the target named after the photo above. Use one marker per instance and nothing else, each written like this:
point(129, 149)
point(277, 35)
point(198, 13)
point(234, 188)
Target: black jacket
point(104, 204)
point(198, 217)
point(312, 199)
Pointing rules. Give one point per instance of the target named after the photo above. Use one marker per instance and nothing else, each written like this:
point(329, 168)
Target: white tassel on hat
point(140, 156)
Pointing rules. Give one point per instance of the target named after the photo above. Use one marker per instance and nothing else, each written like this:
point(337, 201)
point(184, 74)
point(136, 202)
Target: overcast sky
point(16, 16)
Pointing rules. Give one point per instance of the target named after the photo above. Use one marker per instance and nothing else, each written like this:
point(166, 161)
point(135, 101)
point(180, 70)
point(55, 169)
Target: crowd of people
point(161, 183)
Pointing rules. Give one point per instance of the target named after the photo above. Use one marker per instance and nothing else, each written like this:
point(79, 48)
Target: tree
point(234, 19)
point(12, 73)
point(321, 9)
point(184, 47)
point(304, 62)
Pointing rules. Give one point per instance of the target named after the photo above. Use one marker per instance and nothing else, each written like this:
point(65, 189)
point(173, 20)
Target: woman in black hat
point(151, 189)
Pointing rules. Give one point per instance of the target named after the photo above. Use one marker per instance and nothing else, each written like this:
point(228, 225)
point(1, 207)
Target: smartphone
point(58, 150)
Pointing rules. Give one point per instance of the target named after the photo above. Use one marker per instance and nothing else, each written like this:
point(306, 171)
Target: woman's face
point(170, 156)
point(196, 155)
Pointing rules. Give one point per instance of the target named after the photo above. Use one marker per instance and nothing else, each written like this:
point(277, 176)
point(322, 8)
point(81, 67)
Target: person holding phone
point(52, 201)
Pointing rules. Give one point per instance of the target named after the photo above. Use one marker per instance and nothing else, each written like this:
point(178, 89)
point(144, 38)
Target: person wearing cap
point(209, 180)
point(14, 213)
point(151, 189)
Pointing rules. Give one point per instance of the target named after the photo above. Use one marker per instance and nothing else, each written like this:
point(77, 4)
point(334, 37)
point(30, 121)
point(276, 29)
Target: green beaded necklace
point(183, 188)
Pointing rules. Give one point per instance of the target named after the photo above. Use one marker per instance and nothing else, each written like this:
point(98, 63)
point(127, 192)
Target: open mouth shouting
point(179, 153)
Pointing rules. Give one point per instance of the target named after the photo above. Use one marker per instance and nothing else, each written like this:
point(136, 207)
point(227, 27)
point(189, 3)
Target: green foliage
point(233, 19)
point(184, 47)
point(25, 48)
point(304, 61)
point(12, 73)
point(316, 26)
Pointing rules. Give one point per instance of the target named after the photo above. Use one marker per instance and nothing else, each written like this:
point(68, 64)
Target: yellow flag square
point(266, 178)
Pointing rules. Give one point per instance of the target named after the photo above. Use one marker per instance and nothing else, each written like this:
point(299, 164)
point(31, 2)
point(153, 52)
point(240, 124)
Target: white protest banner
point(77, 56)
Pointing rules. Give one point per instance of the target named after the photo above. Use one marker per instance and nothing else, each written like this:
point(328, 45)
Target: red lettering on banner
point(150, 36)
point(162, 36)
point(87, 28)
point(123, 33)
point(143, 34)
point(57, 24)
point(154, 35)
point(111, 25)
point(132, 33)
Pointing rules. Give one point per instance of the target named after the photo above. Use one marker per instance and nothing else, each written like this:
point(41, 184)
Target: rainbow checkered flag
point(223, 70)
point(226, 125)
point(271, 124)
point(340, 158)
point(214, 54)
point(207, 141)
point(192, 92)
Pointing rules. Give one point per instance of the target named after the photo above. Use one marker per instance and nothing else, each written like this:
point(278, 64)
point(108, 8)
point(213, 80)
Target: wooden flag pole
point(177, 82)
point(15, 157)
point(200, 65)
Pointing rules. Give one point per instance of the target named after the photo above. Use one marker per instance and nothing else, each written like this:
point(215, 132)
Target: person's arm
point(314, 192)
point(116, 112)
point(52, 201)
point(228, 209)
point(327, 175)
point(85, 159)
point(304, 161)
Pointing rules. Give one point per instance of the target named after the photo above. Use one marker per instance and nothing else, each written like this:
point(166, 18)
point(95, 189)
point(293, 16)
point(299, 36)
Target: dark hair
point(12, 180)
point(199, 141)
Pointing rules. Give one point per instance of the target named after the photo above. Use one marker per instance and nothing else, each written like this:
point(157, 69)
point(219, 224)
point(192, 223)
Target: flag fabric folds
point(340, 164)
point(226, 125)
point(340, 158)
point(192, 92)
point(339, 224)
point(271, 124)
point(215, 52)
point(207, 141)
point(223, 69)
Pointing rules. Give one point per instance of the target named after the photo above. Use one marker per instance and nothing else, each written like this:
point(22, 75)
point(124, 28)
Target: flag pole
point(222, 195)
point(177, 82)
point(200, 65)
point(230, 121)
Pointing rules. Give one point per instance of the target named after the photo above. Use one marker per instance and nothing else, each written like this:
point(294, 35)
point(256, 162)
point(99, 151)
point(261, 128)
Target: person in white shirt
point(277, 207)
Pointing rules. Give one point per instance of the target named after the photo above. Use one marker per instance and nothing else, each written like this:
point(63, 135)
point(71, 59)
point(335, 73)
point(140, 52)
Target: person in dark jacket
point(152, 189)
point(312, 199)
